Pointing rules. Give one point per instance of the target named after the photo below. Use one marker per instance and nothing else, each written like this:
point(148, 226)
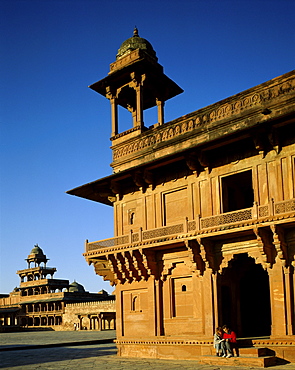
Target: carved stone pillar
point(136, 84)
point(209, 312)
point(288, 271)
point(278, 300)
point(160, 105)
point(114, 111)
point(159, 307)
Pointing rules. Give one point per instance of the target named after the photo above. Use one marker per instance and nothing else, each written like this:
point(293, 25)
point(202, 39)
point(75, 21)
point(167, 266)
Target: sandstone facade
point(204, 214)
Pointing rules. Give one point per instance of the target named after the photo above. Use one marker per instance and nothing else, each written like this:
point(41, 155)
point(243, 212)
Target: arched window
point(131, 216)
point(134, 306)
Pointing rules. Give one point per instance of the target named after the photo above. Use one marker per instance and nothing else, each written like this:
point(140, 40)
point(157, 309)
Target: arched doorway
point(244, 302)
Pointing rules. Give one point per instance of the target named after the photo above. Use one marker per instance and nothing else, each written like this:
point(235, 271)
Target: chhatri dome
point(136, 42)
point(37, 250)
point(76, 287)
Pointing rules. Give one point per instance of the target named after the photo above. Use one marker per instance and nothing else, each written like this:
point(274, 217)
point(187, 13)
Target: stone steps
point(247, 356)
point(247, 361)
point(255, 352)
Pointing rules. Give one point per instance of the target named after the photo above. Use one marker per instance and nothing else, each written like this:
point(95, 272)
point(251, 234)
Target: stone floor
point(46, 338)
point(51, 351)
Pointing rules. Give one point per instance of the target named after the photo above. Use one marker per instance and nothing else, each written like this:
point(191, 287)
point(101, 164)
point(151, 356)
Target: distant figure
point(230, 341)
point(217, 341)
point(75, 326)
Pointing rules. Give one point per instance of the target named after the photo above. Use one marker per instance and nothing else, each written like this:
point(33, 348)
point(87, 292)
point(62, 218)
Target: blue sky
point(55, 131)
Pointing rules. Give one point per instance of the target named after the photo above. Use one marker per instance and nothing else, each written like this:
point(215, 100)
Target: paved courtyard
point(53, 338)
point(52, 351)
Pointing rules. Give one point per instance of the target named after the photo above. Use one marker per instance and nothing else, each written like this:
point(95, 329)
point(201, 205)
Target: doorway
point(245, 297)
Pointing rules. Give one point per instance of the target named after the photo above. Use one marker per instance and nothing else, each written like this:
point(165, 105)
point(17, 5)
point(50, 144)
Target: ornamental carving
point(217, 113)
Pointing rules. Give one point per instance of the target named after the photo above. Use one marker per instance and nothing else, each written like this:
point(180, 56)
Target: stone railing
point(209, 116)
point(235, 219)
point(106, 243)
point(283, 207)
point(227, 218)
point(102, 304)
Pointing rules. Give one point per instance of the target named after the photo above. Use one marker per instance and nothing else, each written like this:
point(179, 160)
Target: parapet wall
point(86, 314)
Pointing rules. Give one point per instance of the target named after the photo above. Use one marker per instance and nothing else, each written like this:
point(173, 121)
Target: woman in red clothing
point(230, 341)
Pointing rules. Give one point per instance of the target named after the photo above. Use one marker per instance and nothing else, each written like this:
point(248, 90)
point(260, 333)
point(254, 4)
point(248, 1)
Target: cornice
point(234, 114)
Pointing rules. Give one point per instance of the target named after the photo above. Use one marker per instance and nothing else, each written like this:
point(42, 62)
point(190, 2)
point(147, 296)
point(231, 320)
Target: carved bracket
point(132, 265)
point(143, 179)
point(104, 269)
point(274, 140)
point(197, 263)
point(265, 246)
point(149, 262)
point(138, 263)
point(280, 244)
point(259, 143)
point(116, 189)
point(198, 162)
point(115, 268)
point(138, 180)
point(206, 252)
point(265, 140)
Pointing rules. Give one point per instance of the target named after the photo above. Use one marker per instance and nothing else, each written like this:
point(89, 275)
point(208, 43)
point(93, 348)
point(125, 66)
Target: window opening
point(134, 303)
point(131, 218)
point(237, 191)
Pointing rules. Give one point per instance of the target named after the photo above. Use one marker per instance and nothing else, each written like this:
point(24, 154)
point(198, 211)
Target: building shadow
point(12, 359)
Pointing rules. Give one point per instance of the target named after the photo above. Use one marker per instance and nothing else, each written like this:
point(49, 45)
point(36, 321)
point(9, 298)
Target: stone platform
point(248, 357)
point(257, 352)
point(239, 361)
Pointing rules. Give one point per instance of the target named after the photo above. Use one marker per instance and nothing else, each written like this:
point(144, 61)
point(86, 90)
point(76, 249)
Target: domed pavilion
point(44, 301)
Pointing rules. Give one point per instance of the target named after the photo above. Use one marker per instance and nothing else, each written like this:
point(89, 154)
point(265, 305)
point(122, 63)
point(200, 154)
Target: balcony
point(57, 283)
point(244, 219)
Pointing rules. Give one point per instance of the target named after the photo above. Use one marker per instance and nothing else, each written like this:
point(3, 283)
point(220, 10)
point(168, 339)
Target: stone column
point(278, 300)
point(80, 322)
point(136, 84)
point(160, 105)
point(215, 300)
point(114, 110)
point(139, 110)
point(114, 113)
point(208, 294)
point(288, 271)
point(159, 308)
point(99, 322)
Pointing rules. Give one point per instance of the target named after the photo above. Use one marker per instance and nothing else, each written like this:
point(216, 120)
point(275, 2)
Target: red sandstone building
point(43, 302)
point(204, 214)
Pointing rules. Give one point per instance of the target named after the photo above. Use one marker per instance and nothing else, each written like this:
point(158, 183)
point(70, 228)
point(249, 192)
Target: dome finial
point(133, 43)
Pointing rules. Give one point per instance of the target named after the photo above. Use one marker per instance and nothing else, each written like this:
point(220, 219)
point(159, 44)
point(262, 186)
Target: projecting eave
point(97, 191)
point(104, 190)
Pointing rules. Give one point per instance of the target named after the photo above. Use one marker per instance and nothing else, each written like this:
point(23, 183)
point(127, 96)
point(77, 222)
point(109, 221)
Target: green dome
point(76, 287)
point(136, 42)
point(37, 250)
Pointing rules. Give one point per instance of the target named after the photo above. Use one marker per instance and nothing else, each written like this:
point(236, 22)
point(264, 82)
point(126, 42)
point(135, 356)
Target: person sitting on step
point(230, 341)
point(217, 341)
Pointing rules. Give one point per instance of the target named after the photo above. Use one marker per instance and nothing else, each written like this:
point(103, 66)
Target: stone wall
point(99, 315)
